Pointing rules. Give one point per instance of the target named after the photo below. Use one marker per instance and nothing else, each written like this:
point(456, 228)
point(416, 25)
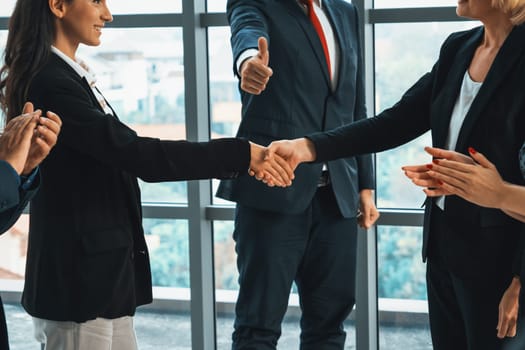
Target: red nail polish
point(472, 150)
point(440, 182)
point(429, 166)
point(435, 161)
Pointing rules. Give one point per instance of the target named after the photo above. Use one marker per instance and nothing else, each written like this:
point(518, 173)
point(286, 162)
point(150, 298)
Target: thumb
point(263, 50)
point(480, 158)
point(28, 108)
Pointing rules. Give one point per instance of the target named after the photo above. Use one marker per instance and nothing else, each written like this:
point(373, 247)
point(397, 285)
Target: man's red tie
point(319, 29)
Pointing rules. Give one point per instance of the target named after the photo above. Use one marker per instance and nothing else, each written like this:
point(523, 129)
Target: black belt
point(324, 179)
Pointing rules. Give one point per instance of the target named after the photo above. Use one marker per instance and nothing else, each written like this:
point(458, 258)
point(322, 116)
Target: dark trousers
point(4, 344)
point(317, 250)
point(463, 311)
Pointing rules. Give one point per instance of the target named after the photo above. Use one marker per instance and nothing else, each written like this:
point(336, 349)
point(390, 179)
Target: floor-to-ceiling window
point(166, 68)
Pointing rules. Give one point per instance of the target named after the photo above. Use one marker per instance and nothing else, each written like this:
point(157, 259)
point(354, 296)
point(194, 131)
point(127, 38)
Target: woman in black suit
point(469, 99)
point(87, 264)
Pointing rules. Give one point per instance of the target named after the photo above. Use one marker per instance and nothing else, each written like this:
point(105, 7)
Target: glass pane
point(403, 53)
point(13, 250)
point(403, 311)
point(226, 273)
point(168, 244)
point(119, 7)
point(225, 100)
point(7, 8)
point(216, 5)
point(151, 99)
point(413, 3)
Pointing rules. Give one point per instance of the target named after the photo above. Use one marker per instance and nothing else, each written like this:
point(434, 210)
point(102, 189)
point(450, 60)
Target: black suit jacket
point(87, 255)
point(494, 125)
point(299, 99)
point(12, 202)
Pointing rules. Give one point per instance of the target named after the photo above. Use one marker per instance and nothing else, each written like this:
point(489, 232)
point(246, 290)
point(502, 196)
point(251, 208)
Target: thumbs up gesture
point(254, 71)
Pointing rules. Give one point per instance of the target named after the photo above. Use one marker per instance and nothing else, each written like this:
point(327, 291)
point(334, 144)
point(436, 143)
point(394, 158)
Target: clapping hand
point(15, 141)
point(477, 180)
point(422, 174)
point(43, 139)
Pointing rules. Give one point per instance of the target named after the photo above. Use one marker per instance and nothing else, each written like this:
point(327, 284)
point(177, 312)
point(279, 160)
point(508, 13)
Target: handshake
point(275, 165)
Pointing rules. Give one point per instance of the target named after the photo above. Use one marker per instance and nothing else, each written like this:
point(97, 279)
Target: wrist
point(310, 154)
point(515, 285)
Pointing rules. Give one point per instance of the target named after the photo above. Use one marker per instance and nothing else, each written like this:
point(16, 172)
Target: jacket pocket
point(105, 240)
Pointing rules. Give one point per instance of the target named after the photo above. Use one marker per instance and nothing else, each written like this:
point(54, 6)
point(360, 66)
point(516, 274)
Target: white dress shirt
point(467, 94)
point(83, 71)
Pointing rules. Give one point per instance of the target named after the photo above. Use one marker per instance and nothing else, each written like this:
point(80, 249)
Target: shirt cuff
point(27, 181)
point(13, 171)
point(243, 57)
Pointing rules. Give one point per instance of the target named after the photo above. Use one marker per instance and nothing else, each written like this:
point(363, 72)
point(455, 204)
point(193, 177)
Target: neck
point(68, 48)
point(496, 31)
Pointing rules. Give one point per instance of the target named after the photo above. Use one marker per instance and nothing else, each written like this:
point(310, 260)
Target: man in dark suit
point(20, 153)
point(305, 233)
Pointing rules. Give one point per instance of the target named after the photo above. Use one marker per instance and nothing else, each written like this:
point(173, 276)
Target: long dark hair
point(31, 33)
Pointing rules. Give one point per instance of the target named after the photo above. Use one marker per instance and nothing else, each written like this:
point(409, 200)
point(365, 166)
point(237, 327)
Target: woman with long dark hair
point(87, 263)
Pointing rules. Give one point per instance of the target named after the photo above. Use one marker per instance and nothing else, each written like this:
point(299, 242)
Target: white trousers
point(97, 334)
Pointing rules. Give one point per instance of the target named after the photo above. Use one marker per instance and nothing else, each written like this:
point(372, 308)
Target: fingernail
point(429, 166)
point(435, 161)
point(440, 182)
point(472, 150)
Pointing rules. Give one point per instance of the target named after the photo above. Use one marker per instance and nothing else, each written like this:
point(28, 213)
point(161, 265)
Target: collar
point(78, 65)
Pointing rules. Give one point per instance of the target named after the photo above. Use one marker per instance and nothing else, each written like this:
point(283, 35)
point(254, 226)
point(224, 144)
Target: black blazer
point(12, 202)
point(299, 99)
point(87, 255)
point(494, 125)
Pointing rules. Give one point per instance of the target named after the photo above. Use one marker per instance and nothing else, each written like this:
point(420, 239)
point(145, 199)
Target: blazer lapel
point(504, 62)
point(444, 103)
point(295, 9)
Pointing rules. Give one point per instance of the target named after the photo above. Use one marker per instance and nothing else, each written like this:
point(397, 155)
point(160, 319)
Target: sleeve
point(13, 198)
point(364, 161)
point(395, 126)
point(247, 25)
point(88, 131)
point(403, 122)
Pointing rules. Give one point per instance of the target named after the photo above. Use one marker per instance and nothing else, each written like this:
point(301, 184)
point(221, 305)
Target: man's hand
point(44, 138)
point(368, 213)
point(508, 310)
point(15, 141)
point(294, 151)
point(273, 172)
point(254, 71)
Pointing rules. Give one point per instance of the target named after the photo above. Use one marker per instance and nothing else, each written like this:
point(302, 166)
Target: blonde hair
point(514, 8)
